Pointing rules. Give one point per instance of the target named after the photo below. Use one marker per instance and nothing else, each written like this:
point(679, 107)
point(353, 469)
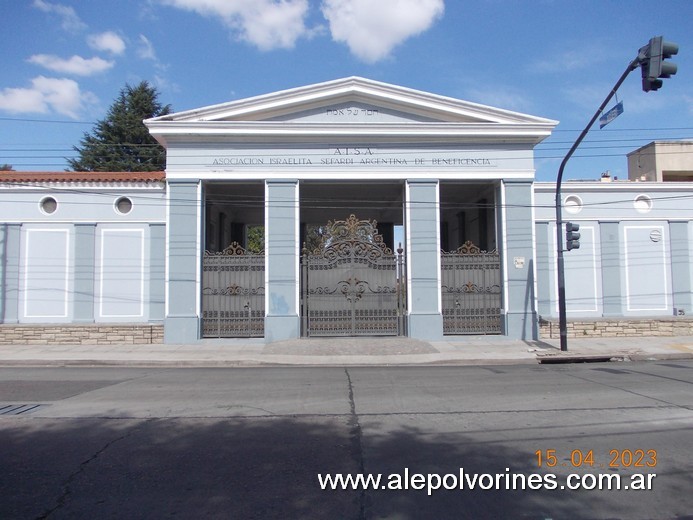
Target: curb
point(545, 359)
point(251, 363)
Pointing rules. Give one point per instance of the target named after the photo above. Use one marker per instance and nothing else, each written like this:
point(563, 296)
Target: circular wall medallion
point(642, 204)
point(573, 204)
point(123, 205)
point(48, 205)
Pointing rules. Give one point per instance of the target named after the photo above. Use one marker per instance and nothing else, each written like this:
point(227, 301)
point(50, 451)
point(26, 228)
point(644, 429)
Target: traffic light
point(652, 65)
point(572, 237)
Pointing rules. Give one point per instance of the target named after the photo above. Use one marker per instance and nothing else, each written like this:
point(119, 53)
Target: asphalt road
point(251, 442)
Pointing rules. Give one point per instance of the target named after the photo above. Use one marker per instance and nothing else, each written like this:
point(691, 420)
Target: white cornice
point(597, 186)
point(365, 174)
point(183, 131)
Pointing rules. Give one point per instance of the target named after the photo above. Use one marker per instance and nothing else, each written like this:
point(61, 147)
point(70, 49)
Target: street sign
point(612, 114)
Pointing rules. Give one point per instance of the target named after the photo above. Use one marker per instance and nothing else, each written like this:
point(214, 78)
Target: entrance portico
point(435, 171)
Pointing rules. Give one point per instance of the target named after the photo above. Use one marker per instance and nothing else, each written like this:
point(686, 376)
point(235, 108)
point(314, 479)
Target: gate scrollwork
point(233, 292)
point(234, 249)
point(471, 290)
point(350, 238)
point(352, 283)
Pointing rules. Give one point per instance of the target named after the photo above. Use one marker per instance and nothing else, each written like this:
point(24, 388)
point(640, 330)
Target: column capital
point(422, 181)
point(517, 181)
point(281, 181)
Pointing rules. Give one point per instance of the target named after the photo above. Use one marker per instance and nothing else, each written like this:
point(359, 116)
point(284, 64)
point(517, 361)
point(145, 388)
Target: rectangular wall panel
point(46, 274)
point(121, 273)
point(647, 265)
point(583, 288)
point(582, 277)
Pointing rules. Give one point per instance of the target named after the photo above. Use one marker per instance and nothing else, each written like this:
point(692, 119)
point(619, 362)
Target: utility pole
point(651, 60)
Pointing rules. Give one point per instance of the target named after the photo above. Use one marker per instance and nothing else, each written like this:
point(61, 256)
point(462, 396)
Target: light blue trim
point(282, 319)
point(182, 324)
point(521, 321)
point(544, 268)
point(85, 264)
point(425, 318)
point(679, 234)
point(612, 268)
point(157, 271)
point(9, 272)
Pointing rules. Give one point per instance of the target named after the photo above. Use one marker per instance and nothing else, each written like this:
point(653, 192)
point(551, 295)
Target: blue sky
point(64, 62)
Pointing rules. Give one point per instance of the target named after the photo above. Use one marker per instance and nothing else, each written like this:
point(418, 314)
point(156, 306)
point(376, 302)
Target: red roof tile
point(10, 176)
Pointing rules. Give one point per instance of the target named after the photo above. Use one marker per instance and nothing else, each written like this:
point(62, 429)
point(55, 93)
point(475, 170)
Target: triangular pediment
point(352, 100)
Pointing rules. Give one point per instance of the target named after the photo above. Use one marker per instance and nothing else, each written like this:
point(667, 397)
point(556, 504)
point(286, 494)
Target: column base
point(521, 325)
point(181, 330)
point(280, 328)
point(427, 327)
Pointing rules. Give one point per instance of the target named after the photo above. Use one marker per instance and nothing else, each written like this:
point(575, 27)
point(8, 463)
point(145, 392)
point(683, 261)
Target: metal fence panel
point(471, 290)
point(233, 294)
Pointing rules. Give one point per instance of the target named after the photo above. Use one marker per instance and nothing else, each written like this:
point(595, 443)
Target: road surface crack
point(633, 392)
point(356, 435)
point(67, 485)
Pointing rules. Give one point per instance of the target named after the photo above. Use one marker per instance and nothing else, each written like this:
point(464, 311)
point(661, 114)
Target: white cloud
point(162, 83)
point(108, 42)
point(22, 100)
point(267, 24)
point(276, 25)
point(146, 49)
point(70, 20)
point(47, 95)
point(371, 29)
point(75, 65)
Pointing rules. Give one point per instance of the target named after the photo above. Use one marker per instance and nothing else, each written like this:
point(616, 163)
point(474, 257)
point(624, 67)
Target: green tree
point(256, 239)
point(313, 240)
point(121, 141)
point(6, 168)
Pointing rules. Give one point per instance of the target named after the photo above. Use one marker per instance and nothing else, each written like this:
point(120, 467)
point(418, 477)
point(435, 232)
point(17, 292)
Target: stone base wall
point(618, 327)
point(104, 334)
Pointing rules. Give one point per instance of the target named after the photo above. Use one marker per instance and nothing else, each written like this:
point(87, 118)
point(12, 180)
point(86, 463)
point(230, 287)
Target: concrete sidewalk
point(379, 351)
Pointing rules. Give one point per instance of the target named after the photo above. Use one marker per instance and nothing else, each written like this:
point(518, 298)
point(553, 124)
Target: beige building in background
point(662, 161)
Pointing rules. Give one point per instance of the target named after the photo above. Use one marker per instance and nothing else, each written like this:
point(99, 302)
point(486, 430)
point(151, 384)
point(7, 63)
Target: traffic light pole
point(562, 319)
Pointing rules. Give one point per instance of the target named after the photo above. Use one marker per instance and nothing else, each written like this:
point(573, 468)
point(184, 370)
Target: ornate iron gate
point(233, 294)
point(352, 283)
point(471, 287)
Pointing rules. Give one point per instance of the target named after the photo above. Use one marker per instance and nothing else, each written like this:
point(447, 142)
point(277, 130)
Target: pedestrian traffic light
point(572, 237)
point(652, 65)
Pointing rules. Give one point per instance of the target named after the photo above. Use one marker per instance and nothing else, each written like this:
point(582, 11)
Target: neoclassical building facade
point(321, 153)
point(346, 208)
